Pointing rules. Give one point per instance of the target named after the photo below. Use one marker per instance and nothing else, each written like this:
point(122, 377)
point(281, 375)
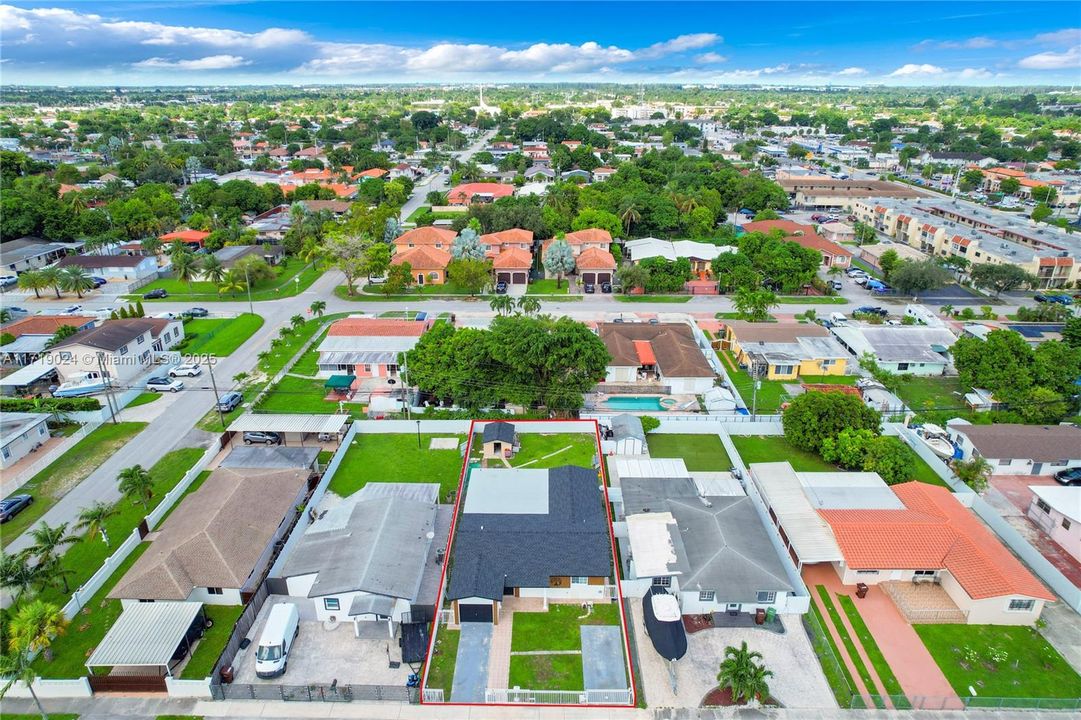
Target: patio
point(925, 603)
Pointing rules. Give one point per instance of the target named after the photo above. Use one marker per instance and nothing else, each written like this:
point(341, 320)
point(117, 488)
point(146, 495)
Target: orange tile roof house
point(441, 238)
point(507, 239)
point(46, 324)
point(470, 193)
point(512, 266)
point(595, 265)
point(580, 240)
point(429, 264)
point(805, 235)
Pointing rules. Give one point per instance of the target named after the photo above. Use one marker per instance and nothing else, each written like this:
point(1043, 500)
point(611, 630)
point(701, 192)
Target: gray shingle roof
point(501, 431)
point(627, 426)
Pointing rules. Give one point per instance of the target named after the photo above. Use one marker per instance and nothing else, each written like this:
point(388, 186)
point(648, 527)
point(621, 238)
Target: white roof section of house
point(145, 634)
point(808, 533)
point(28, 374)
point(650, 535)
point(626, 466)
point(14, 424)
point(270, 422)
point(367, 343)
point(718, 484)
point(848, 490)
point(1066, 500)
point(669, 250)
point(905, 343)
point(507, 492)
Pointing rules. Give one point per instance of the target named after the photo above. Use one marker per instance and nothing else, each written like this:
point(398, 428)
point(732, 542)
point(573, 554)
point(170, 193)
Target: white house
point(19, 434)
point(124, 348)
point(133, 268)
point(911, 349)
point(1017, 449)
point(1057, 511)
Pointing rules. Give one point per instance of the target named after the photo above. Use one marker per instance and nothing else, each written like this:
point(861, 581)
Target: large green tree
point(812, 417)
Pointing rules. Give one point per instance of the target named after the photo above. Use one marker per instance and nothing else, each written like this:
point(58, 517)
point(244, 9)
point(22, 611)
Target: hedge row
point(76, 404)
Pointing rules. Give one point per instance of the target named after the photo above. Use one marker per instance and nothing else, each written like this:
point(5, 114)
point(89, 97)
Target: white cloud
point(1066, 60)
point(683, 43)
point(1069, 36)
point(975, 74)
point(710, 58)
point(910, 69)
point(852, 71)
point(211, 62)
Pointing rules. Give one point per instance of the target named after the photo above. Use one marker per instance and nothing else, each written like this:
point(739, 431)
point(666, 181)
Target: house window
point(65, 356)
point(783, 370)
point(141, 339)
point(867, 572)
point(1065, 524)
point(7, 453)
point(706, 596)
point(579, 580)
point(214, 591)
point(767, 596)
point(664, 581)
point(1043, 506)
point(924, 573)
point(1021, 605)
point(902, 366)
point(124, 350)
point(1005, 461)
point(41, 429)
point(332, 604)
point(367, 368)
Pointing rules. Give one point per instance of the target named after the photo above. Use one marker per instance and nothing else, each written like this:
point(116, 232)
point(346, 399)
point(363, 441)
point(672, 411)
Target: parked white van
point(838, 318)
point(272, 654)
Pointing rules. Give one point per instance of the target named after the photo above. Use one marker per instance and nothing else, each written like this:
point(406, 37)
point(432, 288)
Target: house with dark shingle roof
point(1016, 449)
point(125, 348)
point(664, 352)
point(528, 533)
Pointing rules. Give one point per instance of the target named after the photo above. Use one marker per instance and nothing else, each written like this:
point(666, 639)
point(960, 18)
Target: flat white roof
point(651, 543)
point(808, 533)
point(507, 492)
point(1066, 500)
point(718, 484)
point(145, 634)
point(28, 374)
point(647, 467)
point(268, 422)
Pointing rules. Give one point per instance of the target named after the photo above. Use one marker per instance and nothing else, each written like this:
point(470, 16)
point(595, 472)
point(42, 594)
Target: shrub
point(650, 423)
point(814, 416)
point(8, 404)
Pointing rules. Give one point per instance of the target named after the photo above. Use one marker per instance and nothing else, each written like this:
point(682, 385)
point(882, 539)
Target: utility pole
point(247, 281)
point(217, 403)
point(109, 399)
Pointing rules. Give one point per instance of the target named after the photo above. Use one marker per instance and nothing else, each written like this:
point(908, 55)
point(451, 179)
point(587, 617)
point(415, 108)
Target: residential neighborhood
point(383, 361)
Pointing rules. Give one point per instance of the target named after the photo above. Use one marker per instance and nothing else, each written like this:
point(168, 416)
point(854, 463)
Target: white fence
point(189, 688)
point(181, 487)
point(559, 697)
point(53, 454)
point(433, 695)
point(446, 617)
point(76, 688)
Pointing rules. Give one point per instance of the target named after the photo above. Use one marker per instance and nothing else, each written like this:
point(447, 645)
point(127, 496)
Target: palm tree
point(77, 279)
point(741, 673)
point(17, 575)
point(184, 267)
point(47, 543)
point(136, 483)
point(151, 245)
point(53, 278)
point(629, 215)
point(502, 304)
point(529, 305)
point(175, 248)
point(232, 282)
point(318, 308)
point(263, 357)
point(92, 520)
point(33, 280)
point(297, 321)
point(34, 626)
point(312, 252)
point(212, 269)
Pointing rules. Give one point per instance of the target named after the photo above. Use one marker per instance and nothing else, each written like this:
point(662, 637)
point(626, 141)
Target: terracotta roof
point(513, 258)
point(819, 243)
point(377, 327)
point(1041, 443)
point(788, 227)
point(425, 236)
point(422, 258)
point(45, 324)
point(334, 206)
point(513, 235)
point(933, 532)
point(185, 236)
point(589, 235)
point(804, 235)
point(674, 349)
point(372, 173)
point(595, 259)
point(464, 193)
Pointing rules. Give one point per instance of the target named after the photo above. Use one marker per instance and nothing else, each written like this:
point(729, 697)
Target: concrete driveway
point(603, 666)
point(471, 665)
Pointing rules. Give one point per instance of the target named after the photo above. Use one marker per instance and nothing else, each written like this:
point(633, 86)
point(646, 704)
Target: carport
point(153, 635)
point(294, 429)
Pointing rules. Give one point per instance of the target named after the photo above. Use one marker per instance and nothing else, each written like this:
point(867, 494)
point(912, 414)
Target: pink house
point(367, 348)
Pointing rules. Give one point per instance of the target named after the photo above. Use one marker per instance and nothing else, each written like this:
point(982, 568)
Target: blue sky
point(179, 43)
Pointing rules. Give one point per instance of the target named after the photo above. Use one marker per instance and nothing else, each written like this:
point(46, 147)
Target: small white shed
point(628, 435)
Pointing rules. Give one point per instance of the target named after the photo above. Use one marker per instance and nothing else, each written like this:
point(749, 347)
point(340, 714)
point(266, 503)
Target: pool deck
point(644, 404)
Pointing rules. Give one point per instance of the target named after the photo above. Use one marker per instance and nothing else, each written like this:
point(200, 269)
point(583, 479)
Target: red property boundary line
point(618, 577)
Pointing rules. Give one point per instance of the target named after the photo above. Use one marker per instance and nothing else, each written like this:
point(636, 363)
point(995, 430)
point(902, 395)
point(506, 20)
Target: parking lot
point(322, 655)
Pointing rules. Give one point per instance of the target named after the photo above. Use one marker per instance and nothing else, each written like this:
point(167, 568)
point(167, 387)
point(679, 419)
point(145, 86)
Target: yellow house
point(787, 350)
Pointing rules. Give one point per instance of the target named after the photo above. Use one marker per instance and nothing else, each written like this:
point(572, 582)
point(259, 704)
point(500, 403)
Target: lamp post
point(418, 434)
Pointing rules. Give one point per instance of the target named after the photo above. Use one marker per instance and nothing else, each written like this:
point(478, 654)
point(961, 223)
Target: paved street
point(440, 182)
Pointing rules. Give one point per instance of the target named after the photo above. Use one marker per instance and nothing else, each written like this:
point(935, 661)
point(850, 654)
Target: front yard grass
point(774, 448)
point(811, 300)
point(220, 336)
point(69, 470)
point(547, 286)
point(931, 393)
point(564, 449)
point(874, 653)
point(298, 395)
point(210, 646)
point(829, 657)
point(653, 298)
point(546, 672)
point(700, 452)
point(396, 458)
point(557, 629)
point(284, 284)
point(1031, 669)
point(143, 399)
point(441, 663)
point(850, 645)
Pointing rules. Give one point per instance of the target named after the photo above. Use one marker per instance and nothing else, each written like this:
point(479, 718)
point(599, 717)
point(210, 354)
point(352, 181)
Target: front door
point(733, 608)
point(1036, 468)
point(420, 278)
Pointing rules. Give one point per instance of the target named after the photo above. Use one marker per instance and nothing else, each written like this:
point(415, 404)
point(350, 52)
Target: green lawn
point(1032, 668)
point(700, 452)
point(557, 629)
point(396, 458)
point(308, 364)
point(774, 448)
point(143, 399)
point(829, 657)
point(211, 422)
point(874, 653)
point(547, 286)
point(850, 646)
point(281, 286)
point(69, 470)
point(441, 665)
point(210, 646)
point(931, 393)
point(924, 473)
point(564, 448)
point(299, 395)
point(772, 393)
point(653, 298)
point(179, 717)
point(220, 336)
point(546, 672)
point(418, 291)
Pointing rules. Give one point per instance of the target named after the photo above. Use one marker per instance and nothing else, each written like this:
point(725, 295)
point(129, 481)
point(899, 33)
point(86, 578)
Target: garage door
point(474, 613)
point(604, 277)
point(520, 278)
point(589, 278)
point(502, 277)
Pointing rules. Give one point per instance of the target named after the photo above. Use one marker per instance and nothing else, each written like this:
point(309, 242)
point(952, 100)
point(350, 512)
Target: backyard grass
point(874, 653)
point(850, 646)
point(210, 646)
point(829, 657)
point(564, 448)
point(772, 393)
point(69, 470)
point(1032, 668)
point(308, 364)
point(931, 393)
point(396, 458)
point(220, 336)
point(547, 286)
point(441, 665)
point(143, 399)
point(925, 473)
point(774, 448)
point(653, 298)
point(546, 672)
point(557, 629)
point(298, 395)
point(700, 452)
point(284, 284)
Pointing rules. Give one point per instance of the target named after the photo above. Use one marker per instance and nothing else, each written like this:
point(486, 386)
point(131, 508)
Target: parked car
point(12, 506)
point(862, 280)
point(98, 281)
point(1040, 298)
point(606, 287)
point(501, 287)
point(589, 289)
point(838, 318)
point(195, 312)
point(880, 288)
point(186, 370)
point(854, 272)
point(276, 640)
point(18, 310)
point(229, 401)
point(836, 285)
point(1060, 299)
point(267, 438)
point(71, 309)
point(164, 384)
point(1069, 476)
point(155, 294)
point(8, 281)
point(872, 310)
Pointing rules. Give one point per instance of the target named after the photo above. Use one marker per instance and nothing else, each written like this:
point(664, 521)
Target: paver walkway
point(906, 654)
point(499, 655)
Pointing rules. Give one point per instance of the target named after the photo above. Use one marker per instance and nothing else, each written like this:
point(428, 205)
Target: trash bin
point(759, 616)
point(771, 614)
point(227, 674)
point(861, 590)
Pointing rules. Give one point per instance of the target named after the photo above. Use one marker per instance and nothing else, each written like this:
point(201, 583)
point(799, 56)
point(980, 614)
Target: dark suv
point(156, 294)
point(1069, 476)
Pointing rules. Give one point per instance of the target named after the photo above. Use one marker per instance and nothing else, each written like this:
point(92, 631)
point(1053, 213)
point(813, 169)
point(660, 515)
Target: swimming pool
point(634, 402)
